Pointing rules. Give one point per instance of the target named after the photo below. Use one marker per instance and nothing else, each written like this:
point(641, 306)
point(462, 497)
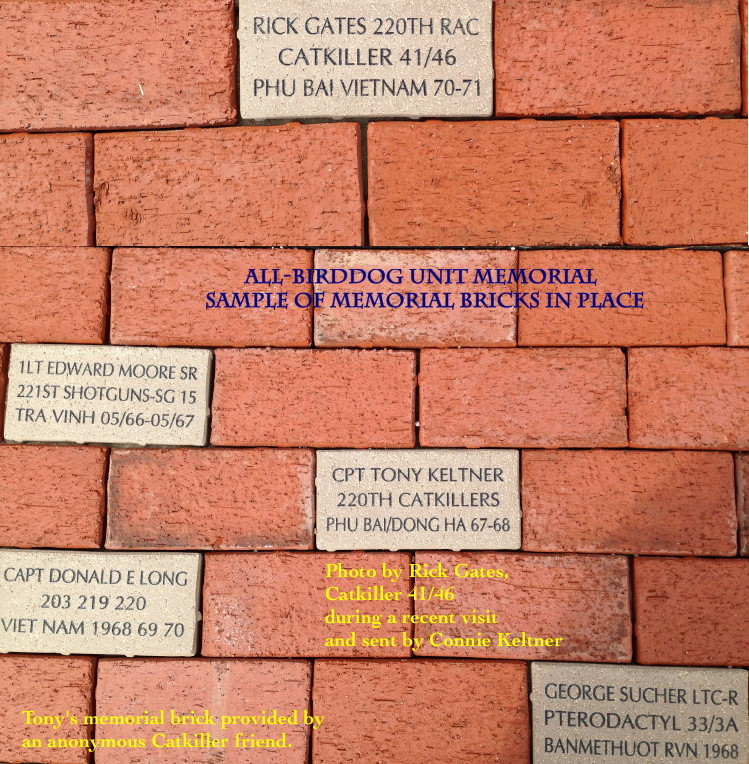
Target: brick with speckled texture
point(98, 65)
point(159, 297)
point(315, 398)
point(54, 294)
point(737, 297)
point(689, 398)
point(582, 598)
point(52, 496)
point(49, 685)
point(445, 184)
point(742, 501)
point(629, 502)
point(683, 301)
point(684, 181)
point(521, 398)
point(272, 604)
point(418, 326)
point(210, 499)
point(224, 688)
point(416, 711)
point(290, 185)
point(691, 612)
point(45, 190)
point(4, 356)
point(555, 58)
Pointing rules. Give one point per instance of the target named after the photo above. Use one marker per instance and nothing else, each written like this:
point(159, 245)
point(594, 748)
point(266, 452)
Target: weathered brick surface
point(4, 353)
point(316, 398)
point(48, 685)
point(689, 398)
point(737, 297)
point(426, 325)
point(583, 599)
point(210, 498)
point(522, 398)
point(691, 612)
point(53, 294)
point(683, 299)
point(99, 65)
point(438, 184)
point(52, 496)
point(161, 297)
point(629, 502)
point(273, 604)
point(684, 181)
point(553, 57)
point(414, 711)
point(742, 501)
point(224, 688)
point(45, 190)
point(253, 186)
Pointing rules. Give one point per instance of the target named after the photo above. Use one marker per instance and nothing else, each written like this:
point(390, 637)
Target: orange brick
point(684, 181)
point(413, 711)
point(689, 398)
point(161, 297)
point(683, 299)
point(742, 501)
point(583, 599)
point(520, 398)
point(52, 496)
point(737, 297)
point(53, 294)
point(595, 57)
point(743, 9)
point(223, 688)
point(4, 354)
point(210, 498)
point(272, 604)
point(654, 502)
point(316, 398)
point(98, 65)
point(418, 326)
point(443, 184)
point(49, 686)
point(294, 185)
point(691, 612)
point(45, 190)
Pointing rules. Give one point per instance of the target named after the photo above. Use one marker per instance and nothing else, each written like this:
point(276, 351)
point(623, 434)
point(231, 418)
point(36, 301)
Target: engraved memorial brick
point(105, 603)
point(343, 58)
point(107, 394)
point(418, 499)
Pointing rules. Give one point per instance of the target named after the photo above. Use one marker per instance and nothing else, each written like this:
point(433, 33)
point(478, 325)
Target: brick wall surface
point(135, 204)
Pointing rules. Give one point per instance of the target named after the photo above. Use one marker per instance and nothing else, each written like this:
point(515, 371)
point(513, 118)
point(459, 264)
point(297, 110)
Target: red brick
point(4, 354)
point(743, 9)
point(45, 190)
point(520, 398)
point(48, 686)
point(224, 688)
point(683, 299)
point(253, 186)
point(684, 181)
point(98, 65)
point(52, 496)
point(435, 184)
point(742, 501)
point(583, 599)
point(737, 297)
point(595, 57)
point(692, 611)
point(160, 297)
point(316, 398)
point(419, 326)
point(210, 498)
point(272, 604)
point(654, 502)
point(689, 398)
point(413, 711)
point(51, 294)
